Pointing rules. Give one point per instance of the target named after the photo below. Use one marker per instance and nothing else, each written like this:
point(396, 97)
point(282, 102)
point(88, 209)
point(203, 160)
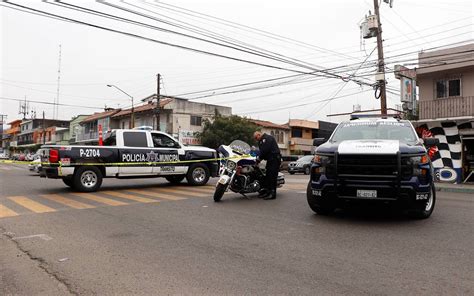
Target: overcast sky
point(324, 34)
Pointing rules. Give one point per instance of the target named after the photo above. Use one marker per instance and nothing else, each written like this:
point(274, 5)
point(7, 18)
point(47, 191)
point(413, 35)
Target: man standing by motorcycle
point(270, 152)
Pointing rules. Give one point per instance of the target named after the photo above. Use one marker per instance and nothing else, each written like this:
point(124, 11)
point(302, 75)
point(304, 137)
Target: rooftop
point(142, 108)
point(269, 124)
point(100, 115)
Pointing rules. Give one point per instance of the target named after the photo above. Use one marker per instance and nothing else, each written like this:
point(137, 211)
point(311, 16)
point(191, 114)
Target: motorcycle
point(239, 171)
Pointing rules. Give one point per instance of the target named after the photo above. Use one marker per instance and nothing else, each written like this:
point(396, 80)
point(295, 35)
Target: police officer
point(270, 152)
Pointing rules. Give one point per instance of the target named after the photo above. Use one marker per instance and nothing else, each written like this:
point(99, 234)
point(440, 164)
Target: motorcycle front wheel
point(220, 189)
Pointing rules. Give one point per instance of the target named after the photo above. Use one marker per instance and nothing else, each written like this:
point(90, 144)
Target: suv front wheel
point(317, 204)
point(424, 210)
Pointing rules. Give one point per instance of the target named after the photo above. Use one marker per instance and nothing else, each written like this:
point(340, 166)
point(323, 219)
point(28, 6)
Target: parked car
point(3, 156)
point(35, 165)
point(285, 160)
point(302, 165)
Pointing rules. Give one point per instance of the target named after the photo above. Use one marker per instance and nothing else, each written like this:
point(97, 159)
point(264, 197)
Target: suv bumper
point(409, 190)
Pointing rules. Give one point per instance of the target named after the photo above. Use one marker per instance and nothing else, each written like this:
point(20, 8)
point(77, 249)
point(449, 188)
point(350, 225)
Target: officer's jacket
point(268, 147)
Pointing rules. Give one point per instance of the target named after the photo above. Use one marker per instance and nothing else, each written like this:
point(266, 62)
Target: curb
point(455, 189)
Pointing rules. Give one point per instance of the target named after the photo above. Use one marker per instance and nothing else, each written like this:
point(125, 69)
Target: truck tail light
point(53, 155)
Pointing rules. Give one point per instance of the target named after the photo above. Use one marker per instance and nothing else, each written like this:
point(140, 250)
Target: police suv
point(372, 160)
point(129, 154)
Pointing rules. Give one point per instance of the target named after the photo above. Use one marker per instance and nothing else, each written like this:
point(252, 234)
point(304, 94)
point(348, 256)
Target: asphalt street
point(147, 237)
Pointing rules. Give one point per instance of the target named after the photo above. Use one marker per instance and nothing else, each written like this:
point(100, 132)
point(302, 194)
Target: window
point(296, 133)
point(196, 120)
point(163, 141)
point(110, 140)
point(314, 133)
point(135, 139)
point(448, 88)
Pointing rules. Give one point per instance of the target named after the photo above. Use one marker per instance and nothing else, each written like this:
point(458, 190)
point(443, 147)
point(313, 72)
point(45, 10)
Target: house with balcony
point(445, 80)
point(10, 136)
point(280, 132)
point(302, 133)
point(34, 132)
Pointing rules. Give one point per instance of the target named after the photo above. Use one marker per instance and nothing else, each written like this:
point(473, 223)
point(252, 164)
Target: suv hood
point(371, 147)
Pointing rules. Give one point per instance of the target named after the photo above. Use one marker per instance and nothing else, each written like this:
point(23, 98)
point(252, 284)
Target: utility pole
point(380, 63)
point(3, 118)
point(44, 130)
point(158, 95)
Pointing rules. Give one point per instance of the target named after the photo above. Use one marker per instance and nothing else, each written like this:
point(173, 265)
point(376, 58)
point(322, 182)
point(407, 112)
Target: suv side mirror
point(430, 142)
point(318, 141)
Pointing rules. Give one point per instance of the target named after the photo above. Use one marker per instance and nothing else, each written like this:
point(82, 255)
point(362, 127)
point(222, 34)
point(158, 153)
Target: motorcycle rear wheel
point(220, 189)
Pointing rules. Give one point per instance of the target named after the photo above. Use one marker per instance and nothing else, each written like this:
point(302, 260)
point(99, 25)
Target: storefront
point(453, 158)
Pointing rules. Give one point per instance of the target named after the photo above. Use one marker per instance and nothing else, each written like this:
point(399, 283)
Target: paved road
point(144, 237)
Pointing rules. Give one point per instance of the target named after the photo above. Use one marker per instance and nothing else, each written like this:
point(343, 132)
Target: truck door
point(167, 150)
point(135, 150)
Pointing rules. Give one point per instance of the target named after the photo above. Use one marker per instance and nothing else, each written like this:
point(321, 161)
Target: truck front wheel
point(319, 206)
point(87, 179)
point(425, 209)
point(198, 174)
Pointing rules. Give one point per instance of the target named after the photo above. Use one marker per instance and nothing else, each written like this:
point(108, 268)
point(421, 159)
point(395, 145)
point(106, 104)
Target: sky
point(281, 39)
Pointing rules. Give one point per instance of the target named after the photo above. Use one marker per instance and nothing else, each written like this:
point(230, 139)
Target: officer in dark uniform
point(270, 152)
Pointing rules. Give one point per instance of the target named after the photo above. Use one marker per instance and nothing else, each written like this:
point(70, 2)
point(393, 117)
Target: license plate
point(367, 193)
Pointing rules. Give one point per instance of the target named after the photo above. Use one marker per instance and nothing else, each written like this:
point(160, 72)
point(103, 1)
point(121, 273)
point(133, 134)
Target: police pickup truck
point(372, 160)
point(129, 154)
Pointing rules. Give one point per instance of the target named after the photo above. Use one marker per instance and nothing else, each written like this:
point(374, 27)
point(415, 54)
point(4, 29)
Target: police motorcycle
point(239, 171)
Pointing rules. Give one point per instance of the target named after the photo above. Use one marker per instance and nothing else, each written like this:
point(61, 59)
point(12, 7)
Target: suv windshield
point(375, 130)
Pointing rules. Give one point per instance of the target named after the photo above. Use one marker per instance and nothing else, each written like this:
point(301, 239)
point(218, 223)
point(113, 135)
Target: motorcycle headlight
point(231, 165)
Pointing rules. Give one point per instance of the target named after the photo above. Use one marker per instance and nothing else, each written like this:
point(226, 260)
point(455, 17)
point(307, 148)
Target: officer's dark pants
point(272, 169)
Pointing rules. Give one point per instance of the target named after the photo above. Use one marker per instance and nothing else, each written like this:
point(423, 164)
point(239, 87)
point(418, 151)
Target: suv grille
point(377, 166)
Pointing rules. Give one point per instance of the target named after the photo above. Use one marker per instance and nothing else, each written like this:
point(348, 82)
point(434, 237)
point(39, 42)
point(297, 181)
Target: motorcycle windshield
point(240, 147)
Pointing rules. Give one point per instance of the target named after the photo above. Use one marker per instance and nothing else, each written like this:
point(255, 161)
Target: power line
point(49, 103)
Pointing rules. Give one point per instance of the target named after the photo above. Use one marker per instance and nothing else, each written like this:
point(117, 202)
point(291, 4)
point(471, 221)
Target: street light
point(132, 115)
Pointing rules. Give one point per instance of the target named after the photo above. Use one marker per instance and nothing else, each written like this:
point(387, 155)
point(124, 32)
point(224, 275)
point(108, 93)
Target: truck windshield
point(375, 130)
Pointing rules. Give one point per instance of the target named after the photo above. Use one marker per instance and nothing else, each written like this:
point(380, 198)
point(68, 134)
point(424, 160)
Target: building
point(302, 133)
point(35, 132)
point(74, 127)
point(10, 136)
point(280, 132)
point(178, 117)
point(445, 79)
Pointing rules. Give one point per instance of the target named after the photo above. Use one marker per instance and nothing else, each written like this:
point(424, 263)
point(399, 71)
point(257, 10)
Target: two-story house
point(279, 131)
point(446, 109)
point(302, 133)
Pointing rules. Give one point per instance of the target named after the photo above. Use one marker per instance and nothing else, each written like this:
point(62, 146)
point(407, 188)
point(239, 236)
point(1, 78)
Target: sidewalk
point(459, 188)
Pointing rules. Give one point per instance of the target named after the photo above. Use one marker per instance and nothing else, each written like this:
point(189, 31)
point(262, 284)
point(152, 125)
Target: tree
point(223, 130)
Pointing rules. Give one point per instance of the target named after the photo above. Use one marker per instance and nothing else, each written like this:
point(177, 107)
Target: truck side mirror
point(430, 142)
point(318, 141)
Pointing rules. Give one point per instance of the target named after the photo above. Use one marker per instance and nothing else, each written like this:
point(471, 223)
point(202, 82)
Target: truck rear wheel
point(198, 174)
point(319, 206)
point(87, 179)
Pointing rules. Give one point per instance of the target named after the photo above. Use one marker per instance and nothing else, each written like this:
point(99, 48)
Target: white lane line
point(41, 236)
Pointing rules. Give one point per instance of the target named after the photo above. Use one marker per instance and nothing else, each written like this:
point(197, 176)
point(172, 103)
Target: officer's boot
point(264, 192)
point(271, 195)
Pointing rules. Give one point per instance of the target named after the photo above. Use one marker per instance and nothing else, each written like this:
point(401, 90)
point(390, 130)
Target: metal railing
point(446, 107)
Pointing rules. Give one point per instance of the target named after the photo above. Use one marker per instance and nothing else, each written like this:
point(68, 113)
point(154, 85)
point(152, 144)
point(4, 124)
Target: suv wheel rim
point(199, 174)
point(89, 179)
point(429, 203)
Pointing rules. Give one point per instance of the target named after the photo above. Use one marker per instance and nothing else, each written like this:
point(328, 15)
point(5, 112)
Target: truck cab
point(372, 160)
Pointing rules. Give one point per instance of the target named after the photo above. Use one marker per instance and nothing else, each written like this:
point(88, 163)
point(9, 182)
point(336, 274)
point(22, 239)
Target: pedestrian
point(270, 152)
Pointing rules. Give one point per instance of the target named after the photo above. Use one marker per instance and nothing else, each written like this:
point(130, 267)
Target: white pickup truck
point(128, 154)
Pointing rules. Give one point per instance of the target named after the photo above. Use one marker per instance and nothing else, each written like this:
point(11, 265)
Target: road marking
point(5, 168)
point(196, 188)
point(129, 196)
point(156, 194)
point(67, 201)
point(6, 212)
point(31, 204)
point(104, 200)
point(182, 191)
point(41, 236)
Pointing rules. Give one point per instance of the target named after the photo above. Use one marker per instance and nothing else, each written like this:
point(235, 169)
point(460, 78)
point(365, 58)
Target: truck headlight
point(417, 162)
point(322, 161)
